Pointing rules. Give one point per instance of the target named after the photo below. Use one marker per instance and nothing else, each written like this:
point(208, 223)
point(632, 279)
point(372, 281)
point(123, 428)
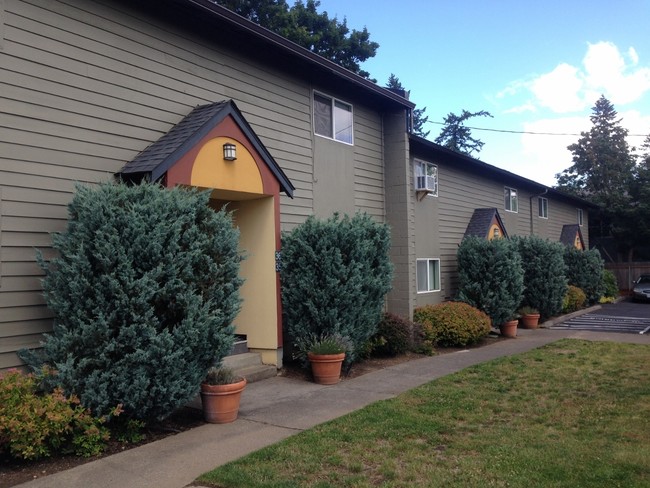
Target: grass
point(574, 413)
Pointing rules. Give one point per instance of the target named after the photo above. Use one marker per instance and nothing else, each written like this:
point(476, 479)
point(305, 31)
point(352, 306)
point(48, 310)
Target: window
point(511, 202)
point(542, 203)
point(580, 217)
point(428, 275)
point(426, 177)
point(332, 118)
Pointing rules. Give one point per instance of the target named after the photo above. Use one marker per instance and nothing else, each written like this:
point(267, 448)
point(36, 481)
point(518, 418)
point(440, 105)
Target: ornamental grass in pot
point(325, 354)
point(221, 395)
point(509, 327)
point(529, 317)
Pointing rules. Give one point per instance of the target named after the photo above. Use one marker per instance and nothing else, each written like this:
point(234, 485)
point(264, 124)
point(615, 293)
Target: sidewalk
point(279, 407)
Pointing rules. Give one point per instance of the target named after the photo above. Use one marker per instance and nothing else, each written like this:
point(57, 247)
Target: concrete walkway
point(279, 407)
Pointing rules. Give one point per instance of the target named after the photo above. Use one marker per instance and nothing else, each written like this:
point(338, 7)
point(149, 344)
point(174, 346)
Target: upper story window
point(332, 118)
point(542, 203)
point(426, 177)
point(511, 201)
point(580, 216)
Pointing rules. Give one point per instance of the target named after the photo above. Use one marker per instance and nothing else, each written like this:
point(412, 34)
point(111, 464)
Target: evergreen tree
point(637, 215)
point(335, 276)
point(304, 25)
point(144, 291)
point(544, 274)
point(457, 137)
point(585, 269)
point(490, 277)
point(602, 160)
point(419, 119)
point(603, 172)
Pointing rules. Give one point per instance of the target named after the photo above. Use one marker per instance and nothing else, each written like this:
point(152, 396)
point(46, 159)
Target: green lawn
point(571, 414)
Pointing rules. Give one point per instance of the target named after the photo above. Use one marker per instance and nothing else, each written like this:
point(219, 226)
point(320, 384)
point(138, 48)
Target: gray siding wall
point(85, 86)
point(348, 177)
point(400, 217)
point(441, 221)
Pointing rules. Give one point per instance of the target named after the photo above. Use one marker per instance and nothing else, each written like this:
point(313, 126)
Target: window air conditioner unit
point(425, 183)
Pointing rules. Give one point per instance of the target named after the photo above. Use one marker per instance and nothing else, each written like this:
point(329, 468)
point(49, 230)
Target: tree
point(144, 291)
point(304, 25)
point(490, 277)
point(457, 137)
point(585, 270)
point(604, 173)
point(335, 276)
point(638, 212)
point(544, 273)
point(419, 119)
point(602, 160)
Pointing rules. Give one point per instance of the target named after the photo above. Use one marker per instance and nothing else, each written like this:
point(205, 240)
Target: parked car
point(641, 288)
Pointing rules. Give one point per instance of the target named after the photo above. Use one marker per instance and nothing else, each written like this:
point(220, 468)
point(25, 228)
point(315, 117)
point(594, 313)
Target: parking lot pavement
point(624, 316)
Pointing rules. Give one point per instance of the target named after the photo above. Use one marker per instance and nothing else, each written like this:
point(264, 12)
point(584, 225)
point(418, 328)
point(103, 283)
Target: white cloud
point(567, 88)
point(559, 90)
point(540, 157)
point(607, 72)
point(637, 124)
point(526, 107)
point(548, 155)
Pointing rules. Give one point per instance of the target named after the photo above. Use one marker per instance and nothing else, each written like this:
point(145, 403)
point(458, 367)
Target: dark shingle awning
point(152, 163)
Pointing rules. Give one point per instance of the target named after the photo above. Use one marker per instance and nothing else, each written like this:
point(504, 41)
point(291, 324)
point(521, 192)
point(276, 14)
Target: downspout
point(530, 206)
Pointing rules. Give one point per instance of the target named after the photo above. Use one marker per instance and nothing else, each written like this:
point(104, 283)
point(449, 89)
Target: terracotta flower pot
point(509, 329)
point(326, 368)
point(221, 402)
point(530, 320)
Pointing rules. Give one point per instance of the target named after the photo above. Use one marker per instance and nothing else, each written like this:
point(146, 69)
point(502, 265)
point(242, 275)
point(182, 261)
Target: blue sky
point(535, 66)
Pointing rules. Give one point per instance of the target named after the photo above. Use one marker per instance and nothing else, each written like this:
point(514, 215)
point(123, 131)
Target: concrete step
point(250, 366)
point(240, 361)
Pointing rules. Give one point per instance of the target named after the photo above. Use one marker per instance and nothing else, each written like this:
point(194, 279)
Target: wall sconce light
point(229, 152)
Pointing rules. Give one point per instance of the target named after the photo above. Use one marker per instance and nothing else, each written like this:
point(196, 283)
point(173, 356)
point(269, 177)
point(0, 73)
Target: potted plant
point(221, 394)
point(509, 327)
point(529, 317)
point(325, 354)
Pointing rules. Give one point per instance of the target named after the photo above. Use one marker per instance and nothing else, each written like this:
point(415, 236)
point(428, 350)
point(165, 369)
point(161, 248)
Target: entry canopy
point(486, 223)
point(203, 123)
point(572, 236)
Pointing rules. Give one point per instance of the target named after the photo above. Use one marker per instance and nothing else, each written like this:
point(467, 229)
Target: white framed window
point(580, 217)
point(511, 200)
point(332, 118)
point(542, 204)
point(428, 275)
point(426, 177)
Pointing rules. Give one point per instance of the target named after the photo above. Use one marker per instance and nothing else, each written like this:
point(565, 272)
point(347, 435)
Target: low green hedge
point(452, 324)
point(574, 299)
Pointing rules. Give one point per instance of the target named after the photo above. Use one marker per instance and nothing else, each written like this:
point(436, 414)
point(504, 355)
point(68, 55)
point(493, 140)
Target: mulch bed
point(13, 472)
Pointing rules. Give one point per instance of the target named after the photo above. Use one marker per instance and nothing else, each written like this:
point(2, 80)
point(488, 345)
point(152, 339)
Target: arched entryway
point(192, 153)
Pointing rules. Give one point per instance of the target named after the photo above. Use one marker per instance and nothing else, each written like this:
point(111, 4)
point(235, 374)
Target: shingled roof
point(481, 221)
point(152, 163)
point(568, 236)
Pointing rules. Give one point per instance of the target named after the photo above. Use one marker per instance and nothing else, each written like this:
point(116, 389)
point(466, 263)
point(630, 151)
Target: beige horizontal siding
point(460, 193)
point(85, 86)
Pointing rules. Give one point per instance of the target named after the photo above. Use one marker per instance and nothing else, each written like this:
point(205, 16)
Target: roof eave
point(305, 55)
point(498, 172)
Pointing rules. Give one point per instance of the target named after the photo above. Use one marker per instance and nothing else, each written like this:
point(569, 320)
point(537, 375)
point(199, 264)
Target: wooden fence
point(626, 273)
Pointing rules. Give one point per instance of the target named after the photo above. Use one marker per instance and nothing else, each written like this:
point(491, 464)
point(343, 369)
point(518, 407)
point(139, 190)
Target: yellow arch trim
point(210, 170)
